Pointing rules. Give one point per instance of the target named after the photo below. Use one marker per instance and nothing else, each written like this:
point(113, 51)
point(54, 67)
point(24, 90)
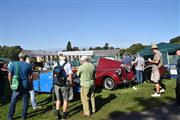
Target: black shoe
point(64, 116)
point(57, 114)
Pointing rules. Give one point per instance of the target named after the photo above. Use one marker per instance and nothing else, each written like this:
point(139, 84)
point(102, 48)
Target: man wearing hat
point(86, 72)
point(157, 62)
point(62, 91)
point(25, 76)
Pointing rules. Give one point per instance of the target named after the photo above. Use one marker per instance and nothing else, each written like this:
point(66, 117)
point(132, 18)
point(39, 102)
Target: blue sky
point(50, 24)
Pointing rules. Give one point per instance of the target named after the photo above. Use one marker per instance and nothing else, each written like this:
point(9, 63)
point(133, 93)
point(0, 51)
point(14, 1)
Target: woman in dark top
point(178, 78)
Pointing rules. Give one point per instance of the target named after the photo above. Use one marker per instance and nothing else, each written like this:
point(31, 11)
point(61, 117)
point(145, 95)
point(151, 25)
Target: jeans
point(139, 76)
point(32, 97)
point(14, 98)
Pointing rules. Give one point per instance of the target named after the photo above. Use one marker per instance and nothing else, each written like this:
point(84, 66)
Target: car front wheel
point(109, 83)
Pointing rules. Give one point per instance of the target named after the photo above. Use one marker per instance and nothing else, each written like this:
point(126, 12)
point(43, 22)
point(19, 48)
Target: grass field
point(109, 103)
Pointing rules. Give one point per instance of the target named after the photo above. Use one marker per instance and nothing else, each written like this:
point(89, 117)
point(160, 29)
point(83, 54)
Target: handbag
point(15, 79)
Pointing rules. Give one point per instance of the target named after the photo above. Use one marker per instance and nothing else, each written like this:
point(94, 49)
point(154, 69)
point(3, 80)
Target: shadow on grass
point(100, 102)
point(45, 101)
point(152, 110)
point(46, 106)
point(36, 112)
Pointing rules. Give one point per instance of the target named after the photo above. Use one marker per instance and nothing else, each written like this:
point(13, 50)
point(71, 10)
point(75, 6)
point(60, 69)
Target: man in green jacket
point(86, 72)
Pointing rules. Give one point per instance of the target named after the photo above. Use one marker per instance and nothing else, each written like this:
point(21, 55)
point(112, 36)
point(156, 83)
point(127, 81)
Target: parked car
point(110, 73)
point(43, 82)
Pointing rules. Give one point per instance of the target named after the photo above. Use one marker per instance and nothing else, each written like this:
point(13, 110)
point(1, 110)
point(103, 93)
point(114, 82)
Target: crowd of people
point(63, 82)
point(156, 64)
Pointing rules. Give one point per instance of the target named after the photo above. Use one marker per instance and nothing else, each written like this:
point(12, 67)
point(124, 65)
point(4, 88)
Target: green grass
point(109, 103)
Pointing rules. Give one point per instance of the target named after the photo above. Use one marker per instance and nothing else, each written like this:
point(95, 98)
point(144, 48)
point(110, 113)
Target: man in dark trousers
point(178, 78)
point(25, 76)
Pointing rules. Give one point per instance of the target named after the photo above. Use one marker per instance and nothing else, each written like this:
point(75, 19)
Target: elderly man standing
point(86, 72)
point(25, 76)
point(157, 62)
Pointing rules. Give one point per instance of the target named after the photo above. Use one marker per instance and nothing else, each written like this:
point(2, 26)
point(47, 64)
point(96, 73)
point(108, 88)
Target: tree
point(0, 50)
point(75, 49)
point(133, 49)
point(175, 40)
point(91, 48)
point(84, 49)
point(122, 52)
point(106, 46)
point(10, 52)
point(98, 48)
point(111, 48)
point(69, 47)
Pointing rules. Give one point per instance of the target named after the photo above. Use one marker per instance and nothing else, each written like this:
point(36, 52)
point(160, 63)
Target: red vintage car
point(110, 73)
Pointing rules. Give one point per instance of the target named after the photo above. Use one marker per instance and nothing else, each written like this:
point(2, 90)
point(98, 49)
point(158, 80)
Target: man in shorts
point(157, 62)
point(62, 91)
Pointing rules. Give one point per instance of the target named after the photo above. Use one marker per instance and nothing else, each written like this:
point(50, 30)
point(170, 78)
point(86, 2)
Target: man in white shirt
point(139, 61)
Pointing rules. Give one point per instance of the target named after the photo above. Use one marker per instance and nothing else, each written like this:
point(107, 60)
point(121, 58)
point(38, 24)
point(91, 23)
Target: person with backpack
point(23, 71)
point(62, 78)
point(86, 72)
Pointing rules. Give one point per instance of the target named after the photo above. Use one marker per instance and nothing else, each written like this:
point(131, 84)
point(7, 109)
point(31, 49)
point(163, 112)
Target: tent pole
point(167, 58)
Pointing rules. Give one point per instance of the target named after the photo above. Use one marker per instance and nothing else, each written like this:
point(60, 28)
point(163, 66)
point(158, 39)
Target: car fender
point(100, 77)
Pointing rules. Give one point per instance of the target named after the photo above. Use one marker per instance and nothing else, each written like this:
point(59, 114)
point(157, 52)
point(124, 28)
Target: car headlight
point(128, 68)
point(118, 72)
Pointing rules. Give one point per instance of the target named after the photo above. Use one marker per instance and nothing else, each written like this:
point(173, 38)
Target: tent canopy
point(163, 47)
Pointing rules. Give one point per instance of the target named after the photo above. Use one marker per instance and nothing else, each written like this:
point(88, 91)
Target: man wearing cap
point(157, 62)
point(86, 72)
point(25, 76)
point(62, 91)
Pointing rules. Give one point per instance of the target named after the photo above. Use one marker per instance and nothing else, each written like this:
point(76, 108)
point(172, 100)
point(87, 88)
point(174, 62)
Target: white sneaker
point(162, 90)
point(156, 95)
point(134, 88)
point(37, 107)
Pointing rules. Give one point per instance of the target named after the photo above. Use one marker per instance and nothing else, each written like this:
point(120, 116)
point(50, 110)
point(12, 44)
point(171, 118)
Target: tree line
point(10, 52)
point(133, 49)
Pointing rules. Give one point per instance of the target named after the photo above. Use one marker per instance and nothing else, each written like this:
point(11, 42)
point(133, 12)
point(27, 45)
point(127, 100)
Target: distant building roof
point(92, 52)
point(89, 52)
point(35, 53)
point(106, 52)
